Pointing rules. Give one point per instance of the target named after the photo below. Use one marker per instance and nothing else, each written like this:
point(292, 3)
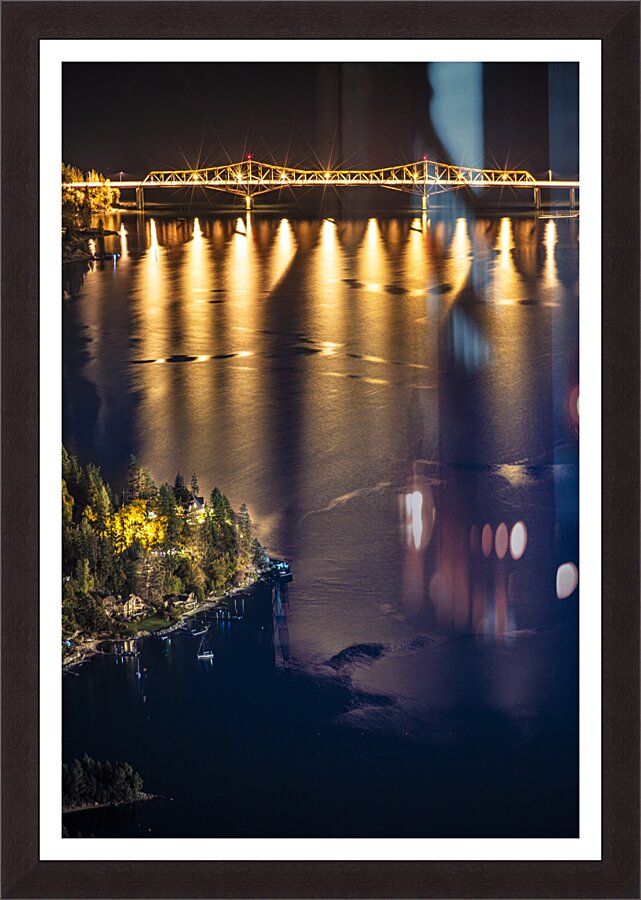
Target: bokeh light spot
point(567, 579)
point(501, 540)
point(518, 540)
point(486, 540)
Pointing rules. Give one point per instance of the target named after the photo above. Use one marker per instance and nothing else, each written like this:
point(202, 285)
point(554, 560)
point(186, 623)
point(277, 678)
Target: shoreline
point(113, 804)
point(89, 649)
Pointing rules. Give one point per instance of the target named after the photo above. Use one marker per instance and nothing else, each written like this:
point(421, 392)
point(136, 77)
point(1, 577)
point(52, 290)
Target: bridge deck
point(251, 177)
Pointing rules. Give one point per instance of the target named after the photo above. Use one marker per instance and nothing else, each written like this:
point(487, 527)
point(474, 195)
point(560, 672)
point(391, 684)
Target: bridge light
point(326, 176)
point(424, 158)
point(249, 156)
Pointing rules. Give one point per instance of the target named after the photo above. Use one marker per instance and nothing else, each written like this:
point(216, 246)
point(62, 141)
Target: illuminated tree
point(72, 197)
point(86, 201)
point(132, 524)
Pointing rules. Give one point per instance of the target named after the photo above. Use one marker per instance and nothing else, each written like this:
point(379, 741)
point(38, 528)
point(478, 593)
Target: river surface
point(396, 400)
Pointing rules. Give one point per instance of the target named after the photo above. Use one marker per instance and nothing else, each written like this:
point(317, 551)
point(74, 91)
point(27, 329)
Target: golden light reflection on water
point(550, 275)
point(459, 258)
point(507, 285)
point(416, 261)
point(153, 325)
point(153, 239)
point(325, 271)
point(152, 299)
point(124, 248)
point(372, 258)
point(283, 252)
point(241, 272)
point(195, 281)
point(196, 274)
point(329, 348)
point(218, 235)
point(375, 306)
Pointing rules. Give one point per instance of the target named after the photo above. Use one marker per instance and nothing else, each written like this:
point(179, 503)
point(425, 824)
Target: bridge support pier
point(424, 202)
point(140, 198)
point(537, 198)
point(572, 198)
point(249, 202)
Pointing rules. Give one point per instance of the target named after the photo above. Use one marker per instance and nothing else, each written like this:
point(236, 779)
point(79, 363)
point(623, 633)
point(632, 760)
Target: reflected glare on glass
point(414, 510)
point(567, 579)
point(573, 407)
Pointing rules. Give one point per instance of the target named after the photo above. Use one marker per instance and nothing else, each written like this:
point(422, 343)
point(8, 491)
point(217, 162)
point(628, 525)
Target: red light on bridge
point(249, 156)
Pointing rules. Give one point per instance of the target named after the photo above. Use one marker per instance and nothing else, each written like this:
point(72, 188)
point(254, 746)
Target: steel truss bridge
point(250, 178)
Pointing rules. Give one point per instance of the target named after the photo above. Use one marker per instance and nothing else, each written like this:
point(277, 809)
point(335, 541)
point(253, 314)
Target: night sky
point(136, 117)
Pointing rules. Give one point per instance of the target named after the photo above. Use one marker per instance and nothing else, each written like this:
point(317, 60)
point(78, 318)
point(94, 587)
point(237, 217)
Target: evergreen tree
point(167, 507)
point(194, 485)
point(147, 486)
point(133, 479)
point(67, 505)
point(180, 489)
point(166, 500)
point(244, 524)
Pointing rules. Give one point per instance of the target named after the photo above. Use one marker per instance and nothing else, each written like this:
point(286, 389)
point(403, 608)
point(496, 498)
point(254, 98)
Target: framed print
point(314, 585)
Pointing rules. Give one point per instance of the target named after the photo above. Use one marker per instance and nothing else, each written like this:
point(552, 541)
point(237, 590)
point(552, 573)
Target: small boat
point(196, 633)
point(202, 653)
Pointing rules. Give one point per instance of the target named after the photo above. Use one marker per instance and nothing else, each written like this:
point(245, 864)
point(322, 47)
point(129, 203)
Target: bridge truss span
point(251, 176)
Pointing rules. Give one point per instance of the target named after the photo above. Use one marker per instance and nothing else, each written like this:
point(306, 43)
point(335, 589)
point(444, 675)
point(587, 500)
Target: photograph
point(320, 449)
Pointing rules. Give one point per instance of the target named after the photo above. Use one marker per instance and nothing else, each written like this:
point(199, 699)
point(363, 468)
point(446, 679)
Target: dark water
point(390, 397)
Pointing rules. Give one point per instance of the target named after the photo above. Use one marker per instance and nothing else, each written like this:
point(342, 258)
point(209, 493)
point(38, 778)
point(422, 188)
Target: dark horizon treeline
point(87, 781)
point(149, 541)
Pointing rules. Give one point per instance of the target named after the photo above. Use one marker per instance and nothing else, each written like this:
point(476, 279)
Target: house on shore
point(117, 608)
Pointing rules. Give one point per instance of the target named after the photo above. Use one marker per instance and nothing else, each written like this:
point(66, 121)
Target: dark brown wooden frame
point(617, 25)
